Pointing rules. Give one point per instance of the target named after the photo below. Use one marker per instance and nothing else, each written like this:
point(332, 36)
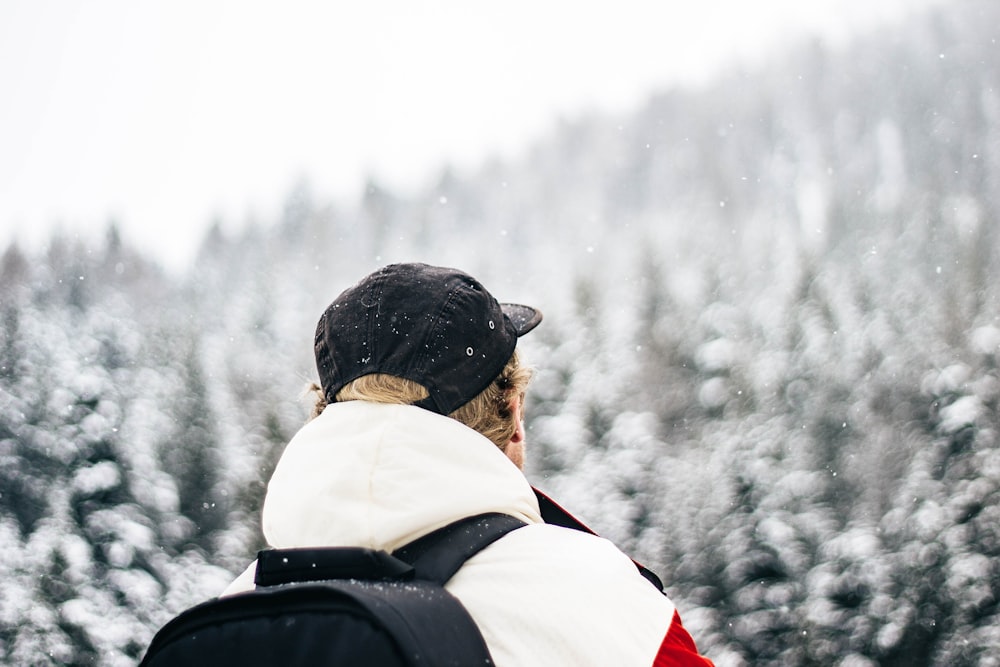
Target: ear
point(517, 407)
point(518, 436)
point(515, 446)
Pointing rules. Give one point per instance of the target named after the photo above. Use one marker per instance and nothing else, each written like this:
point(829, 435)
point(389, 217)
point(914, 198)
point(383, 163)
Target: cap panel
point(347, 336)
point(468, 347)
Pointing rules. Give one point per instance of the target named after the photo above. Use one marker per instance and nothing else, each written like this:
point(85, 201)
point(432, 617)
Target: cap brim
point(524, 318)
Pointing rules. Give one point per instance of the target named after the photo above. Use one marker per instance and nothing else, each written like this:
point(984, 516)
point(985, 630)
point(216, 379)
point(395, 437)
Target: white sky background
point(164, 115)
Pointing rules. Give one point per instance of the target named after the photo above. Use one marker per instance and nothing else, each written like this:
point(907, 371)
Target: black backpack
point(342, 606)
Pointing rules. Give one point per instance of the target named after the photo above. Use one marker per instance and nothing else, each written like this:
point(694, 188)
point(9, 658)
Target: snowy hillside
point(768, 369)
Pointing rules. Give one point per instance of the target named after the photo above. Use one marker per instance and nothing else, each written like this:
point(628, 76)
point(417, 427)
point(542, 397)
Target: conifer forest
point(769, 367)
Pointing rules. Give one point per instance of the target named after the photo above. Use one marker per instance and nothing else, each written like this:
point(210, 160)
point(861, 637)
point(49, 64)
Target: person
point(418, 423)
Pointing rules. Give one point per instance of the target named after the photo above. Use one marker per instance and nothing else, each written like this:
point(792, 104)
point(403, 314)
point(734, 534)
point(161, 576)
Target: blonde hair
point(489, 412)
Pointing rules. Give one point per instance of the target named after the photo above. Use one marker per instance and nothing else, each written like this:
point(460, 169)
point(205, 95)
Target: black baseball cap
point(436, 326)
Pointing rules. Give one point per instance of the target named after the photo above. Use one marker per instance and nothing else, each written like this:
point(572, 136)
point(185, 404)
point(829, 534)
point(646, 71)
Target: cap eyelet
point(492, 326)
point(469, 351)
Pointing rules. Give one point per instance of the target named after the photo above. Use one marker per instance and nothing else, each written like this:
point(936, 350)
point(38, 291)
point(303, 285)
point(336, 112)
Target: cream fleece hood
point(379, 476)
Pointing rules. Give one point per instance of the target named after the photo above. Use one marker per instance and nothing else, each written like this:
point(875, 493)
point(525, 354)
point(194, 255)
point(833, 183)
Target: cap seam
point(417, 366)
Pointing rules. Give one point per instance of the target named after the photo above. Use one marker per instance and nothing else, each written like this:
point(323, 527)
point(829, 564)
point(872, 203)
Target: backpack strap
point(285, 566)
point(439, 554)
point(434, 557)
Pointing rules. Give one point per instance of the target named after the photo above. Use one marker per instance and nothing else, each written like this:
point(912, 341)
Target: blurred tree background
point(769, 366)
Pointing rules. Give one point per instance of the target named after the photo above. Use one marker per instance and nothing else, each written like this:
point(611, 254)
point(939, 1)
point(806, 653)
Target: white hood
point(379, 476)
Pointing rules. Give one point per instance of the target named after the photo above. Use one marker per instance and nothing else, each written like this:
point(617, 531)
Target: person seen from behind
point(419, 423)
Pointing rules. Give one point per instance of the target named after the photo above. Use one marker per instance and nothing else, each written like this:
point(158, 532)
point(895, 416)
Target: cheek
point(515, 452)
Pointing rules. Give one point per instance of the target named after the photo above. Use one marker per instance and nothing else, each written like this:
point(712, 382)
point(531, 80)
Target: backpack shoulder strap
point(438, 555)
point(285, 566)
point(435, 557)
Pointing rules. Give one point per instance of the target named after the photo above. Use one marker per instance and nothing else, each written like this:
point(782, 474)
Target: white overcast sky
point(164, 115)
